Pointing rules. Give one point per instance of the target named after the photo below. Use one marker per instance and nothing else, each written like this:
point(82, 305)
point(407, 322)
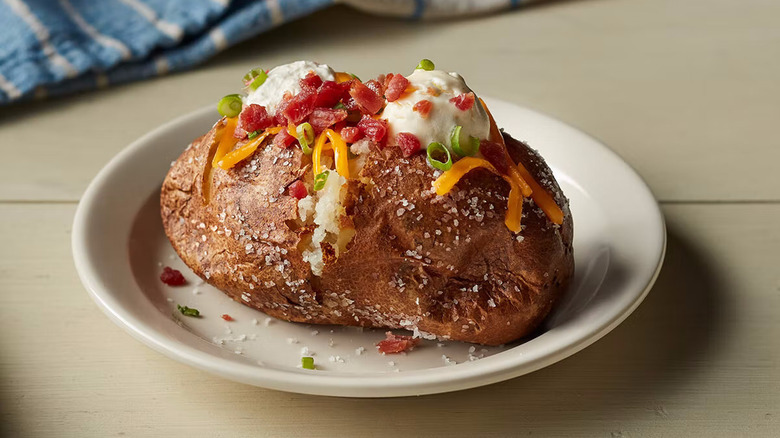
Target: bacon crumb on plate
point(394, 344)
point(172, 277)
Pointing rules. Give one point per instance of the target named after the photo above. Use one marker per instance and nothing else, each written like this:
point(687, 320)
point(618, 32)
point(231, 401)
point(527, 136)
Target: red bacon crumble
point(394, 344)
point(283, 139)
point(298, 190)
point(375, 130)
point(495, 154)
point(254, 118)
point(329, 94)
point(227, 317)
point(172, 277)
point(351, 134)
point(365, 98)
point(376, 86)
point(409, 143)
point(299, 107)
point(464, 102)
point(396, 87)
point(312, 81)
point(322, 118)
point(423, 107)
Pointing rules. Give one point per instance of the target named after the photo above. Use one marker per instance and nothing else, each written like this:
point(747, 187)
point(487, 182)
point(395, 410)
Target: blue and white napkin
point(54, 47)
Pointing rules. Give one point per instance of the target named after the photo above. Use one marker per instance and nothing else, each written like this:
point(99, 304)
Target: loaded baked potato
point(315, 199)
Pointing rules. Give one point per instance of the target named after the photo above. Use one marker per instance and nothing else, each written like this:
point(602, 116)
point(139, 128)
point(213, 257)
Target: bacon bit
point(299, 107)
point(298, 190)
point(351, 134)
point(423, 107)
point(311, 81)
point(376, 86)
point(385, 79)
point(394, 344)
point(172, 277)
point(254, 118)
point(375, 130)
point(464, 102)
point(322, 118)
point(283, 139)
point(396, 87)
point(227, 317)
point(409, 143)
point(365, 98)
point(350, 104)
point(494, 153)
point(329, 94)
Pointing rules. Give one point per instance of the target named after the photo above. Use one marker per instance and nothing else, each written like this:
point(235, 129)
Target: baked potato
point(376, 244)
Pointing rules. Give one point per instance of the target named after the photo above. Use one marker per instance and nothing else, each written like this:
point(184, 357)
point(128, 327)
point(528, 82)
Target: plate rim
point(418, 382)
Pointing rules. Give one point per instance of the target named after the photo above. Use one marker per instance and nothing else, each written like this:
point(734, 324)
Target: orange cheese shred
point(524, 179)
point(234, 157)
point(341, 76)
point(316, 155)
point(514, 210)
point(338, 145)
point(226, 141)
point(240, 154)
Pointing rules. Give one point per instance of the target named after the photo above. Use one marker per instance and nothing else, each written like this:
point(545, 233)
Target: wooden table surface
point(687, 92)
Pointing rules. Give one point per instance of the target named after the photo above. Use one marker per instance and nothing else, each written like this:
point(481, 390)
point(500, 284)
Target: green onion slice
point(253, 134)
point(230, 105)
point(339, 105)
point(188, 311)
point(255, 78)
point(307, 363)
point(435, 150)
point(320, 179)
point(463, 148)
point(305, 134)
point(425, 64)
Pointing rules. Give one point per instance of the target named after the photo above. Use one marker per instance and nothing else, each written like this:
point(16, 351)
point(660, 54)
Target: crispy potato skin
point(446, 266)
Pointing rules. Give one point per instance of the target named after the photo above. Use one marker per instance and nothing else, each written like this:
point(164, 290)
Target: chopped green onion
point(230, 105)
point(466, 148)
point(307, 363)
point(320, 179)
point(305, 134)
point(255, 78)
point(339, 105)
point(425, 64)
point(253, 134)
point(439, 149)
point(354, 76)
point(187, 311)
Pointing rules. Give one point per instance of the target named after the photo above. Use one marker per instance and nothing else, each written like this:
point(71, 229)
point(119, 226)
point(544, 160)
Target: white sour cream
point(438, 87)
point(283, 79)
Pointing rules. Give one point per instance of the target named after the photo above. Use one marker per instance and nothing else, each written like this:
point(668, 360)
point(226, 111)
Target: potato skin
point(444, 266)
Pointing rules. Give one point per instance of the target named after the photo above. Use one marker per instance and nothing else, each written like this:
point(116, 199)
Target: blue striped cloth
point(54, 47)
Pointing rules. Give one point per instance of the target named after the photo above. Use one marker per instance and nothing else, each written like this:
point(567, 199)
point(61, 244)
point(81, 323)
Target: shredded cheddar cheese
point(338, 145)
point(341, 76)
point(448, 179)
point(234, 157)
point(524, 178)
point(226, 141)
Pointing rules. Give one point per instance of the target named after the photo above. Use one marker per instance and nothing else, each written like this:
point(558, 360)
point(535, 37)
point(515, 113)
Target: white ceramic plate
point(119, 248)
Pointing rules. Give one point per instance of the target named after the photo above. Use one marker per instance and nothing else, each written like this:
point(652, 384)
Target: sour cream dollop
point(438, 87)
point(283, 79)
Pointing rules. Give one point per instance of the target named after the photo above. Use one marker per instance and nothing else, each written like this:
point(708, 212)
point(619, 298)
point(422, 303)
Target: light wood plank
point(698, 358)
point(687, 92)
